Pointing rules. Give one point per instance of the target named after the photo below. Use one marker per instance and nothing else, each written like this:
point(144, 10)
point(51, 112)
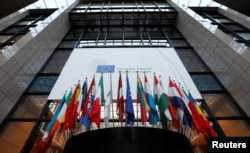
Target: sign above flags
point(85, 62)
point(105, 69)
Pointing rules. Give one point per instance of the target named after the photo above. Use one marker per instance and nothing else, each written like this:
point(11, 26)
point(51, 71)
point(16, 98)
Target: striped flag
point(162, 103)
point(120, 100)
point(69, 119)
point(153, 113)
point(55, 124)
point(176, 98)
point(95, 110)
point(142, 99)
point(86, 106)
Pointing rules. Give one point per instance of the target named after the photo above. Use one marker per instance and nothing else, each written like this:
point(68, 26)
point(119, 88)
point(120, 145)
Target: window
point(57, 61)
point(238, 32)
point(30, 107)
point(43, 84)
point(221, 105)
point(191, 61)
point(13, 33)
point(206, 82)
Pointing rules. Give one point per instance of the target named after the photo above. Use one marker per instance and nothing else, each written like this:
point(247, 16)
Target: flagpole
point(118, 103)
point(126, 116)
point(111, 92)
point(137, 103)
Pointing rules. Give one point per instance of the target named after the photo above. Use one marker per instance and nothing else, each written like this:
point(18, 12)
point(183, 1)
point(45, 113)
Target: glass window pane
point(245, 35)
point(191, 60)
point(91, 34)
point(68, 44)
point(214, 14)
point(223, 20)
point(75, 33)
point(13, 30)
point(30, 107)
point(43, 84)
point(235, 27)
point(220, 105)
point(24, 22)
point(155, 33)
point(4, 38)
point(205, 82)
point(235, 127)
point(171, 32)
point(57, 61)
point(179, 43)
point(14, 136)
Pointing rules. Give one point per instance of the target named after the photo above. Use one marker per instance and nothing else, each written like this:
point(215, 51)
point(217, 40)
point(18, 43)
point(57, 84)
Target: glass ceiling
point(66, 3)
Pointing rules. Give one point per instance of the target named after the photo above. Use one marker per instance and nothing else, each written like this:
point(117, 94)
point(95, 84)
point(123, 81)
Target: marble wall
point(229, 60)
point(20, 62)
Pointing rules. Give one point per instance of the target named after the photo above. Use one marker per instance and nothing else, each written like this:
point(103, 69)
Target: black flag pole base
point(128, 140)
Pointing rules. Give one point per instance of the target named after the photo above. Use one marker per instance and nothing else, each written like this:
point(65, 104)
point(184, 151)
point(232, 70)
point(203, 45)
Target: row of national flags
point(80, 108)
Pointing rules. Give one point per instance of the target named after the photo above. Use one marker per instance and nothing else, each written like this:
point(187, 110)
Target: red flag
point(170, 112)
point(175, 121)
point(162, 102)
point(88, 97)
point(120, 100)
point(194, 114)
point(141, 98)
point(69, 119)
point(204, 122)
point(95, 111)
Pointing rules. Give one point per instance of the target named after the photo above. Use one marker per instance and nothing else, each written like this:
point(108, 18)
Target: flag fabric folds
point(86, 105)
point(79, 110)
point(69, 119)
point(95, 110)
point(130, 117)
point(204, 123)
point(47, 138)
point(153, 113)
point(108, 103)
point(83, 97)
point(162, 103)
point(120, 100)
point(170, 112)
point(194, 114)
point(177, 102)
point(141, 98)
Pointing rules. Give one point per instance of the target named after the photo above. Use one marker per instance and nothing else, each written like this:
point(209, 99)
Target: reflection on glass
point(245, 35)
point(30, 107)
point(206, 82)
point(13, 138)
point(235, 128)
point(191, 61)
point(220, 105)
point(43, 84)
point(57, 61)
point(4, 38)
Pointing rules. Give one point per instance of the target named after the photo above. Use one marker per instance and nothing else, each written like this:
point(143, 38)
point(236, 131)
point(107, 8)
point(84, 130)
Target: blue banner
point(105, 69)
